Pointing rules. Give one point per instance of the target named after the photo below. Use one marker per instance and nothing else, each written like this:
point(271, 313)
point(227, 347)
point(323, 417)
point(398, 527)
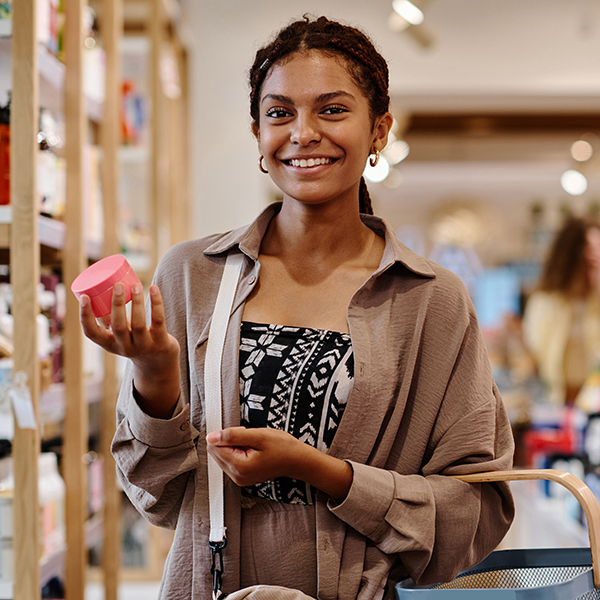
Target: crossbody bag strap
point(213, 407)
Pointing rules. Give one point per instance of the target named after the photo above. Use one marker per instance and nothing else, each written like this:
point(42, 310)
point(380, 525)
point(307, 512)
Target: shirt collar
point(249, 238)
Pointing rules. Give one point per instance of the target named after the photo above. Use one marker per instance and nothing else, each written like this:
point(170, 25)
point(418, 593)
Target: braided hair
point(364, 63)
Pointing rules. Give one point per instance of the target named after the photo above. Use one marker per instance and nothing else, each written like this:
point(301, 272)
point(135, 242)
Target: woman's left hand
point(251, 456)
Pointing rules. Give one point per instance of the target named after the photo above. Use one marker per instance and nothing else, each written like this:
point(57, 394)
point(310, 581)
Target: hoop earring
point(373, 161)
point(260, 165)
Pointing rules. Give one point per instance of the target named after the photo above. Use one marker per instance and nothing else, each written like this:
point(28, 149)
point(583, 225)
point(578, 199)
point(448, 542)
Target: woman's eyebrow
point(332, 95)
point(322, 98)
point(277, 98)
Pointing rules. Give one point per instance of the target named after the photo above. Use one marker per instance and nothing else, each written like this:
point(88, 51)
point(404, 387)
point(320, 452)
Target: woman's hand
point(153, 351)
point(250, 456)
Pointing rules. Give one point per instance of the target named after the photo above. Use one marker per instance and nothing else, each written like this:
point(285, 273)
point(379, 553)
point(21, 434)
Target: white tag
point(23, 408)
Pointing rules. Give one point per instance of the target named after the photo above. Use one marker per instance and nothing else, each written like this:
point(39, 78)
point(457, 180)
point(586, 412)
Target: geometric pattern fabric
point(296, 379)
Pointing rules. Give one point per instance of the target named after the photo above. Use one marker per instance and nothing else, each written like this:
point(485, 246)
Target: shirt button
point(184, 426)
point(251, 279)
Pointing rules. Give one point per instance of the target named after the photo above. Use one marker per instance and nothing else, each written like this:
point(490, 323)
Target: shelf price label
point(22, 403)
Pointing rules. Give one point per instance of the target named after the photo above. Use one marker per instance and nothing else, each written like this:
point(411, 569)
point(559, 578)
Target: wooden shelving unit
point(28, 240)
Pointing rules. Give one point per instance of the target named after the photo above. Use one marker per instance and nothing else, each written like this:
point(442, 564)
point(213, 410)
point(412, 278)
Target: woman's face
point(315, 129)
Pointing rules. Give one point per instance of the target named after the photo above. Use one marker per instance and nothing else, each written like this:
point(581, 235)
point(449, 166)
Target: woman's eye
point(278, 113)
point(335, 110)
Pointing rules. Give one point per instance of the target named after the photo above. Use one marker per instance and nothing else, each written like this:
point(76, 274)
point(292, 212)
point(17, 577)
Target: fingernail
point(213, 437)
point(119, 288)
point(154, 290)
point(84, 301)
point(136, 289)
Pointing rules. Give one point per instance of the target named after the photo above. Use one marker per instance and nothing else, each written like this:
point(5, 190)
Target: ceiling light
point(573, 182)
point(379, 172)
point(408, 11)
point(582, 150)
point(396, 152)
point(396, 23)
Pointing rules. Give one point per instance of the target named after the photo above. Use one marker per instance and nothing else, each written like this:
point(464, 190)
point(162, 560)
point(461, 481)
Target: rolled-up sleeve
point(437, 524)
point(155, 457)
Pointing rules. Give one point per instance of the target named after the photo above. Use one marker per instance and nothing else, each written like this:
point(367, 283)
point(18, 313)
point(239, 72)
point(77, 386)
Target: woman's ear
point(256, 132)
point(382, 128)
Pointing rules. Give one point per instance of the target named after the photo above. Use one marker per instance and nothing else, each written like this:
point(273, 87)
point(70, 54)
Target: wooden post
point(25, 274)
point(75, 429)
point(178, 156)
point(159, 190)
point(112, 27)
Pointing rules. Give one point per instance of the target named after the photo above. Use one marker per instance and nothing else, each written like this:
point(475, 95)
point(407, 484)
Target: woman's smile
point(309, 163)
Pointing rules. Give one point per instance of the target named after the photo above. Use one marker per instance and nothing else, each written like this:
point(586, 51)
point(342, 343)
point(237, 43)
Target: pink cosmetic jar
point(98, 281)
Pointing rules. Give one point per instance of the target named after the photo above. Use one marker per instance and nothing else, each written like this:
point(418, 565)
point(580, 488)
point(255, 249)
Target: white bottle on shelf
point(7, 325)
point(52, 499)
point(7, 486)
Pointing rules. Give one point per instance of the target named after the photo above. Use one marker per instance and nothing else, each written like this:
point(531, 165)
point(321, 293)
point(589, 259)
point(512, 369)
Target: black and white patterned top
point(296, 379)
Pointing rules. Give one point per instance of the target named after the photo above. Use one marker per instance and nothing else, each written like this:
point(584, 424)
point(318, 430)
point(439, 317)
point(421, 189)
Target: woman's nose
point(305, 131)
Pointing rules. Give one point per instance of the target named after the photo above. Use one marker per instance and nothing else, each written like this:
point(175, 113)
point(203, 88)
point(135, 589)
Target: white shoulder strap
point(212, 386)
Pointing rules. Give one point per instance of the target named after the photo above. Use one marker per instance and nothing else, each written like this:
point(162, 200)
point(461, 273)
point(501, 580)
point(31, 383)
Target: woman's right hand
point(153, 351)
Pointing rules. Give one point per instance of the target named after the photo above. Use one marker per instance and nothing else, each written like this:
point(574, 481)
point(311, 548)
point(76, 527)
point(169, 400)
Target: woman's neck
point(326, 233)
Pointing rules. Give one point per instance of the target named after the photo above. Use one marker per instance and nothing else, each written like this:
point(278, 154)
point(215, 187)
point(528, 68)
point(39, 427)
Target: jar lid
point(101, 276)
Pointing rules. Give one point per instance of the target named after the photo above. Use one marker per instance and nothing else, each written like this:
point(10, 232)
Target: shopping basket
point(535, 574)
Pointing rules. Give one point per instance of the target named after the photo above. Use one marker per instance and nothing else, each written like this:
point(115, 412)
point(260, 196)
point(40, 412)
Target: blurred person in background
point(561, 324)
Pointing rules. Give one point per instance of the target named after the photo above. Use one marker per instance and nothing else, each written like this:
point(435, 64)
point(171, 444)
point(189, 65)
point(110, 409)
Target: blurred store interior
point(496, 143)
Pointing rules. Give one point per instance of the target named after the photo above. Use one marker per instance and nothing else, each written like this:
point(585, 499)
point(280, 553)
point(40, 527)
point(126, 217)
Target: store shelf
point(54, 564)
point(52, 78)
point(51, 233)
point(52, 400)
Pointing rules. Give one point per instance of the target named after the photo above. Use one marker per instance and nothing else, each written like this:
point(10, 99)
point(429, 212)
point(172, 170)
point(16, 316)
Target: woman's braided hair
point(365, 65)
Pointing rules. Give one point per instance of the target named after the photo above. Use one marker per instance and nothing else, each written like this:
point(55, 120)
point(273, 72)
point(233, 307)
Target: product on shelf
point(6, 9)
point(52, 501)
point(7, 485)
point(45, 343)
point(94, 58)
point(51, 167)
point(93, 215)
point(47, 24)
point(5, 18)
point(5, 154)
point(52, 512)
point(133, 113)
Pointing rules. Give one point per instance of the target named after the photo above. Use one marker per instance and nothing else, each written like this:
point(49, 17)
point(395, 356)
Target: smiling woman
point(355, 376)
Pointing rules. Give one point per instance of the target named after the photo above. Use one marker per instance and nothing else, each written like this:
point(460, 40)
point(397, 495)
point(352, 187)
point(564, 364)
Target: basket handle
point(580, 490)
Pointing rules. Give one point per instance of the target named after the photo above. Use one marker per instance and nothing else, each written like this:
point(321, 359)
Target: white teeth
point(311, 162)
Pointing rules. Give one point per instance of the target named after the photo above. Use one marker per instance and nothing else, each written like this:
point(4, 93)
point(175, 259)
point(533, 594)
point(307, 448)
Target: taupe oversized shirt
point(423, 406)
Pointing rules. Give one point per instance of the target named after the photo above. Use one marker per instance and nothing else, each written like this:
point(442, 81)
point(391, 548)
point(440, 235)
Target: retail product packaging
point(5, 18)
point(98, 281)
point(5, 154)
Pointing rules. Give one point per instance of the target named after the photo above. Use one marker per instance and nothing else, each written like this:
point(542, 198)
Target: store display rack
point(29, 240)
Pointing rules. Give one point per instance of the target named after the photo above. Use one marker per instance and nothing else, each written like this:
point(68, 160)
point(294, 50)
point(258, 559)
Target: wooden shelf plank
point(51, 233)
